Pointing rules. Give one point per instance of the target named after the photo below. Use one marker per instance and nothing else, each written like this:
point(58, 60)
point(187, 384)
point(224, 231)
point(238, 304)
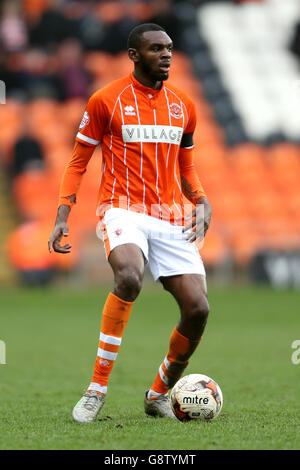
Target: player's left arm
point(198, 221)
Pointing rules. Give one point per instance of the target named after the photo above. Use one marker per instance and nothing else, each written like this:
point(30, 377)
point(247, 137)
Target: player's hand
point(61, 229)
point(197, 222)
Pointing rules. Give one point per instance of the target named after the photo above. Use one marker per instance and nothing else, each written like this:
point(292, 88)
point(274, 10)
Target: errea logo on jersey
point(129, 110)
point(152, 134)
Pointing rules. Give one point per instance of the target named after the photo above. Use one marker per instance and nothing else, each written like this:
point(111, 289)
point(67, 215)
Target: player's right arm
point(91, 130)
point(70, 184)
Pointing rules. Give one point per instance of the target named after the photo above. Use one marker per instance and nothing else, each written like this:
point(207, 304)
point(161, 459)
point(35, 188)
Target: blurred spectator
point(29, 74)
point(163, 14)
point(27, 152)
point(34, 8)
point(10, 73)
point(40, 77)
point(13, 31)
point(75, 80)
point(50, 29)
point(106, 26)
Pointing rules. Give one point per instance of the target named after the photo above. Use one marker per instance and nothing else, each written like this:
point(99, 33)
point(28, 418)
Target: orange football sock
point(116, 313)
point(180, 350)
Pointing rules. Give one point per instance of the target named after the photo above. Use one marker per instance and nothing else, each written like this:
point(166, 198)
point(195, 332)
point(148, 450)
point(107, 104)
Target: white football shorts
point(163, 244)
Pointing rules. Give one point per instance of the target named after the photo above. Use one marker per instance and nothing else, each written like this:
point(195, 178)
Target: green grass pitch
point(51, 341)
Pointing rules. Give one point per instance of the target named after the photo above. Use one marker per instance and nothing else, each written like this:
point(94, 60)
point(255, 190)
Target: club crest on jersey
point(85, 120)
point(175, 110)
point(129, 110)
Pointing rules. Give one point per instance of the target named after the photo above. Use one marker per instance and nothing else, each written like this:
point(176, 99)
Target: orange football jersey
point(140, 132)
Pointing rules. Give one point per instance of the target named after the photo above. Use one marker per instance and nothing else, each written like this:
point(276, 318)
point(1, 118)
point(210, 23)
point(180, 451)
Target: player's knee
point(128, 283)
point(198, 310)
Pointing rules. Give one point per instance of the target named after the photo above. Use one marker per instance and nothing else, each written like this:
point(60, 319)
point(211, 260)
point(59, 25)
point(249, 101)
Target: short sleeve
point(93, 123)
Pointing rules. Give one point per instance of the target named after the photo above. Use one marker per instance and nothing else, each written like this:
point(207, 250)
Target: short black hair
point(134, 38)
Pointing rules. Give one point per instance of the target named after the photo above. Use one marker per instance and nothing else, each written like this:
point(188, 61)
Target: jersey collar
point(144, 88)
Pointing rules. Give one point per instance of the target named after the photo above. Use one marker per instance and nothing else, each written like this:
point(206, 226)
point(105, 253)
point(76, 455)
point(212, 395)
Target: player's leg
point(190, 292)
point(127, 262)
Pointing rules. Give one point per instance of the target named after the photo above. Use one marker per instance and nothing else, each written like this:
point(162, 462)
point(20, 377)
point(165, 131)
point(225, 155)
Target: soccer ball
point(196, 396)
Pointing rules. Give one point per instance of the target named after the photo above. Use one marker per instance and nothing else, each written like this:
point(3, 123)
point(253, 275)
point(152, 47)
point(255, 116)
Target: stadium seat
point(268, 206)
point(11, 115)
point(122, 66)
point(284, 166)
point(140, 11)
point(284, 156)
point(255, 63)
point(35, 194)
point(28, 249)
point(34, 8)
point(99, 64)
point(215, 248)
point(230, 208)
point(109, 12)
point(57, 158)
point(245, 243)
point(55, 135)
point(248, 164)
point(208, 132)
point(72, 111)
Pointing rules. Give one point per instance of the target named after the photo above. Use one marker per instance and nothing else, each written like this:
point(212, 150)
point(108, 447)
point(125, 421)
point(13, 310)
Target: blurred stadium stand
point(239, 61)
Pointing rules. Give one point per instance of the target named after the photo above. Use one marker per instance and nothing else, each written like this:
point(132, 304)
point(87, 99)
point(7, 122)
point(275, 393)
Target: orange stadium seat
point(285, 153)
point(180, 64)
point(250, 169)
point(109, 12)
point(27, 247)
point(99, 64)
point(185, 82)
point(248, 160)
point(267, 206)
point(35, 194)
point(215, 248)
point(292, 205)
point(245, 243)
point(230, 209)
point(203, 110)
point(57, 158)
point(55, 135)
point(11, 115)
point(121, 65)
point(211, 157)
point(212, 167)
point(71, 112)
point(284, 166)
point(34, 8)
point(208, 132)
point(139, 11)
point(41, 113)
point(9, 135)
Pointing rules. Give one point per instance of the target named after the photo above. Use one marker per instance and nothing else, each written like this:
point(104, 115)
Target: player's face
point(155, 55)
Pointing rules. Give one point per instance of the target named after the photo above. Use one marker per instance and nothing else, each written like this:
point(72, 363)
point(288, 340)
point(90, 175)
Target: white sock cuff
point(97, 387)
point(152, 394)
